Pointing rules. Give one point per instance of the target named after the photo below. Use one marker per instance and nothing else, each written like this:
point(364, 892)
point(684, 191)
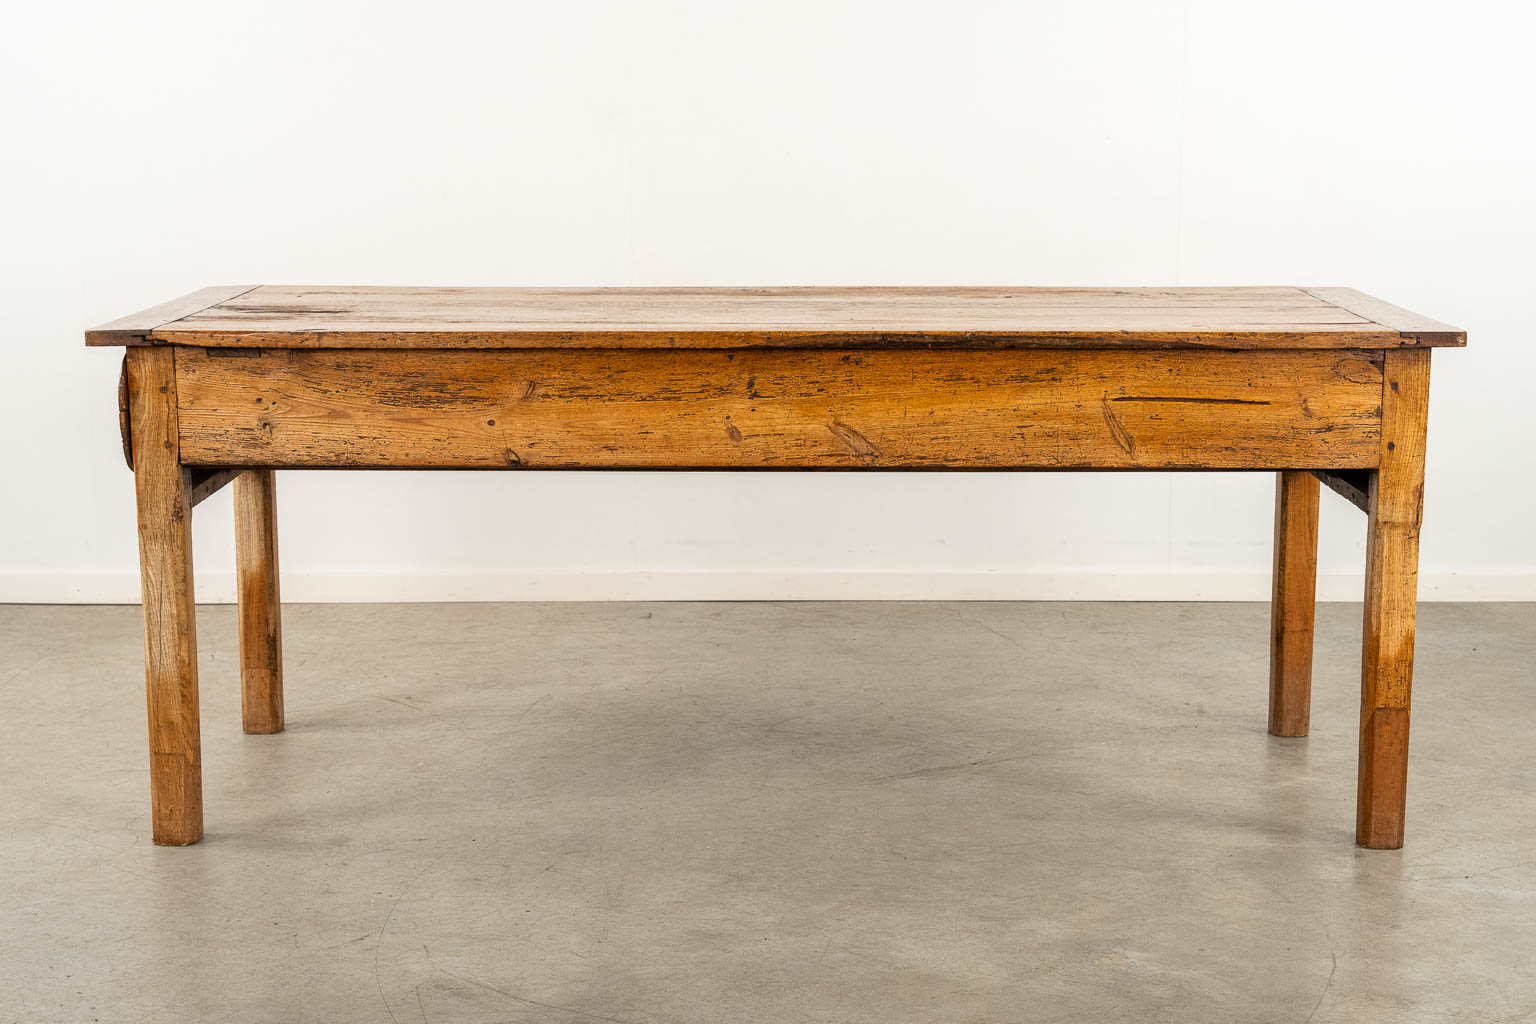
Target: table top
point(273, 316)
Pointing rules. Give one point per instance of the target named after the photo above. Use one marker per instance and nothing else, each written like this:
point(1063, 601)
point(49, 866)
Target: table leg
point(1294, 602)
point(1396, 500)
point(170, 631)
point(261, 630)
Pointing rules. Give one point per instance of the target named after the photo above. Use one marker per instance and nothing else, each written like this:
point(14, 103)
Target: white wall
point(149, 149)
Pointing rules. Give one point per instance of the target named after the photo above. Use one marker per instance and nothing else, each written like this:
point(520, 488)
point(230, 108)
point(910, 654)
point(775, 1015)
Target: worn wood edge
point(135, 328)
point(1414, 328)
point(480, 467)
point(1353, 485)
point(420, 340)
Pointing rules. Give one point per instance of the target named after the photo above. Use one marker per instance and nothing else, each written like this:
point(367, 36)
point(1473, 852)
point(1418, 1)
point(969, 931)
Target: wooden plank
point(204, 483)
point(781, 409)
point(1413, 327)
point(1293, 604)
point(170, 630)
point(1352, 485)
point(261, 631)
point(1391, 599)
point(711, 318)
point(135, 328)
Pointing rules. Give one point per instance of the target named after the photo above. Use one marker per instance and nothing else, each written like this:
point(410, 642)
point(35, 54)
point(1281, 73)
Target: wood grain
point(261, 631)
point(711, 318)
point(170, 630)
point(1293, 603)
point(135, 328)
point(1391, 598)
point(1413, 327)
point(781, 409)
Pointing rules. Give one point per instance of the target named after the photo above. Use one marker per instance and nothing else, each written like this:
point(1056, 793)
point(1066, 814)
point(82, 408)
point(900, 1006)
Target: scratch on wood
point(1358, 370)
point(856, 442)
point(283, 311)
point(1190, 401)
point(1117, 429)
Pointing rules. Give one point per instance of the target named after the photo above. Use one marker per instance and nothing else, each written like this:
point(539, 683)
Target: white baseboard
point(793, 585)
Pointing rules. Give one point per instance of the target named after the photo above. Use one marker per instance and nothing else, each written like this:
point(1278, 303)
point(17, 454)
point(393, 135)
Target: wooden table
point(1316, 384)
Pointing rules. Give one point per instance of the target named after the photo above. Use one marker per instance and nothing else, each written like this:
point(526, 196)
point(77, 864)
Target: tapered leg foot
point(1383, 779)
point(261, 631)
point(1293, 605)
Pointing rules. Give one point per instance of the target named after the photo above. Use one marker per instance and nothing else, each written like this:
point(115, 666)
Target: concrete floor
point(767, 812)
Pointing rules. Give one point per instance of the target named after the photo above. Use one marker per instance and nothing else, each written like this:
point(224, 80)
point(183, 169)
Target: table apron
point(780, 409)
